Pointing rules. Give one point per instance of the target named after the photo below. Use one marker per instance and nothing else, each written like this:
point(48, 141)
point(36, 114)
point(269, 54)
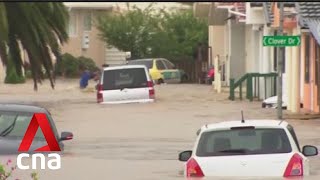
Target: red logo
point(39, 119)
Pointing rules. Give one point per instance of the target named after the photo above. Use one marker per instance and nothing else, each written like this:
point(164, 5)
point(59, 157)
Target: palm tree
point(39, 28)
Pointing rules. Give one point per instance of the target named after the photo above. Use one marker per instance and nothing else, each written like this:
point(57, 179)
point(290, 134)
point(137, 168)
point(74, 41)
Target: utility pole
point(280, 65)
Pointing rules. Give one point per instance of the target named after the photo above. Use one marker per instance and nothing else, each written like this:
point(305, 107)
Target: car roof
point(123, 67)
point(256, 123)
point(147, 59)
point(13, 107)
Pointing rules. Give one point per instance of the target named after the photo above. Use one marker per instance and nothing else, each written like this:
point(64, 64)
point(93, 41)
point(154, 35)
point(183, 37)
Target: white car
point(125, 84)
point(264, 148)
point(272, 102)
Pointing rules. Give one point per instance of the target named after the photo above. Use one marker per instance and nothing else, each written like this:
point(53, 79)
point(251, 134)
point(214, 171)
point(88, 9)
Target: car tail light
point(99, 93)
point(193, 169)
point(151, 90)
point(294, 167)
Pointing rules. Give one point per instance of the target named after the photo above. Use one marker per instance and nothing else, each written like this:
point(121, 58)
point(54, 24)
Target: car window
point(243, 142)
point(160, 65)
point(293, 134)
point(124, 78)
point(168, 64)
point(20, 126)
point(147, 63)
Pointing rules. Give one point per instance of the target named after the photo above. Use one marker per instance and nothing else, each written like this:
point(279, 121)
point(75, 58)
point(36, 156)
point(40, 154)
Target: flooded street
point(139, 141)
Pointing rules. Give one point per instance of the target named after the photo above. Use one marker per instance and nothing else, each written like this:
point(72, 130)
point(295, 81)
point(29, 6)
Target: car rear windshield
point(124, 78)
point(147, 63)
point(243, 142)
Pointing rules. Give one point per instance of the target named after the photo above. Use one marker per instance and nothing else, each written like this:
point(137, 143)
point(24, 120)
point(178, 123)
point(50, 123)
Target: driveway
point(139, 141)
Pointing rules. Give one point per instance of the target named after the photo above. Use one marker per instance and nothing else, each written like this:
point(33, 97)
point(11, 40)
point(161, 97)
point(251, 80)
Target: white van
point(125, 84)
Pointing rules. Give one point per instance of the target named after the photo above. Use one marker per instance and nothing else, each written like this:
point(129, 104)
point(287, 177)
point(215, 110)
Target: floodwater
point(138, 141)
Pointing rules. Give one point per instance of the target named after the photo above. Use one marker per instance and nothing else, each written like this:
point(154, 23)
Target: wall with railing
point(252, 83)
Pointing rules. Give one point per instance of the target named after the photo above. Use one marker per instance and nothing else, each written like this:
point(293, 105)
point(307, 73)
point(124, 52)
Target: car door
point(172, 74)
point(162, 69)
point(125, 84)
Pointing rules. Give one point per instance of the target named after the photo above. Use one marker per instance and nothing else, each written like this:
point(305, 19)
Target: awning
point(314, 27)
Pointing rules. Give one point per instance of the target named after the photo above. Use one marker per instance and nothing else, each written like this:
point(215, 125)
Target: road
point(139, 141)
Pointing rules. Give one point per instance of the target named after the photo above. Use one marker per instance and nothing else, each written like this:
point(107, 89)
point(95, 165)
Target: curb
point(302, 116)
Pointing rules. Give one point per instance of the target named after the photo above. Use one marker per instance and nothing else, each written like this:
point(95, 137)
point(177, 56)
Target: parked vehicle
point(247, 148)
point(272, 102)
point(14, 121)
point(125, 84)
point(161, 70)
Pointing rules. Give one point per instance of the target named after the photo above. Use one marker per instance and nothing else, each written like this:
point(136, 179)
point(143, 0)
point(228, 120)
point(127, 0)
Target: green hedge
point(70, 66)
point(11, 75)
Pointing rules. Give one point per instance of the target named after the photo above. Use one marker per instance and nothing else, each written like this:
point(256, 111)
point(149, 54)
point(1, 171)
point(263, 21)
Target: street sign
point(281, 41)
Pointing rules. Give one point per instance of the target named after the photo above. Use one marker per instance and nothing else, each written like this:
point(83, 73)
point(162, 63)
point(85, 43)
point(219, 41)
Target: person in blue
point(85, 77)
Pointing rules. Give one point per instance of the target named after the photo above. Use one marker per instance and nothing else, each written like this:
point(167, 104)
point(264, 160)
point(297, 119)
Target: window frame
point(165, 62)
point(86, 14)
point(73, 21)
point(160, 61)
point(294, 136)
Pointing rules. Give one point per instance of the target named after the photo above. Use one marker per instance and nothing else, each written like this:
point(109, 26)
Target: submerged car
point(161, 70)
point(125, 84)
point(14, 121)
point(264, 148)
point(272, 102)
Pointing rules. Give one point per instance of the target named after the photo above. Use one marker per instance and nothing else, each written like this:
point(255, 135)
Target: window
point(307, 59)
point(147, 63)
point(124, 78)
point(87, 21)
point(19, 123)
point(246, 141)
point(293, 134)
point(72, 28)
point(160, 65)
point(168, 64)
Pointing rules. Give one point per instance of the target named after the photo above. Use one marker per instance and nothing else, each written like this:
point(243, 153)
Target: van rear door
point(125, 84)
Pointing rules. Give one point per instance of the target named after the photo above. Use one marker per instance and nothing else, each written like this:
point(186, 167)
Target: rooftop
point(309, 9)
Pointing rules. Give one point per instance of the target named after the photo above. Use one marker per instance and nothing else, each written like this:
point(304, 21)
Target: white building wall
point(217, 40)
point(254, 15)
point(249, 52)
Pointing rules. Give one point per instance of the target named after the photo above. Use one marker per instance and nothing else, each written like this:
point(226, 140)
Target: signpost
point(281, 41)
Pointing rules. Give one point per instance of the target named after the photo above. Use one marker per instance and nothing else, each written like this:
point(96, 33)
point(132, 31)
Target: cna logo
point(40, 120)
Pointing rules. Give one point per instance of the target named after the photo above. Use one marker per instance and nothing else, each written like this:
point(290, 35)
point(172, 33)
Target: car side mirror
point(66, 136)
point(185, 155)
point(309, 150)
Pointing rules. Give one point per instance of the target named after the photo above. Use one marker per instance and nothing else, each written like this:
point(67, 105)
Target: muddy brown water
point(138, 141)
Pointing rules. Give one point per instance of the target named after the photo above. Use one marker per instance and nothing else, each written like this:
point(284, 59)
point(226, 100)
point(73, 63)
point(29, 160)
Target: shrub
point(11, 75)
point(87, 63)
point(70, 66)
point(6, 174)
